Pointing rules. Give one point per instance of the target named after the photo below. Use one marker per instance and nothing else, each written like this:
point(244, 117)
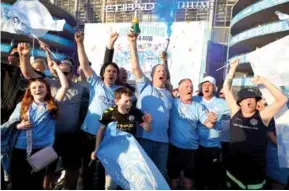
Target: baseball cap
point(247, 93)
point(208, 79)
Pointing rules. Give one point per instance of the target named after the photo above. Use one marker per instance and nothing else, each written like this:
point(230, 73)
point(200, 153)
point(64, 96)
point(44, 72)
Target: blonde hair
point(40, 61)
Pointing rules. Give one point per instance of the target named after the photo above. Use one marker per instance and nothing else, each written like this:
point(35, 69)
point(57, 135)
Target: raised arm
point(25, 66)
point(164, 58)
point(109, 51)
point(136, 69)
point(63, 82)
point(83, 60)
point(280, 99)
point(45, 47)
point(227, 87)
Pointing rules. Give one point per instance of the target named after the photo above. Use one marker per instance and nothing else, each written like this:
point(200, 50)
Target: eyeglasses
point(15, 54)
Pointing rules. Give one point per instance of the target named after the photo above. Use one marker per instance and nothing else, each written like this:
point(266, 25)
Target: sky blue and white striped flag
point(127, 163)
point(29, 17)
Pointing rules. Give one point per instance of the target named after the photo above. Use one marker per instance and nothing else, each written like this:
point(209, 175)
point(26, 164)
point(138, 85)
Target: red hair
point(28, 100)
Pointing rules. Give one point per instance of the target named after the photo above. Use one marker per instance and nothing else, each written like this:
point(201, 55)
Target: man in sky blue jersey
point(209, 139)
point(101, 97)
point(155, 99)
point(184, 119)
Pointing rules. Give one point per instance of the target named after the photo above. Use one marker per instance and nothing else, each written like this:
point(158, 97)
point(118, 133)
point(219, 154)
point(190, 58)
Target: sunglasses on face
point(15, 54)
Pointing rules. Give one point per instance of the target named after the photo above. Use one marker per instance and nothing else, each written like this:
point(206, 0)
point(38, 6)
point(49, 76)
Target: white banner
point(272, 62)
point(184, 52)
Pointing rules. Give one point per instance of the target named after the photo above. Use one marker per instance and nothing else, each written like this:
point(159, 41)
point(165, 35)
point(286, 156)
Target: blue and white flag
point(29, 17)
point(127, 163)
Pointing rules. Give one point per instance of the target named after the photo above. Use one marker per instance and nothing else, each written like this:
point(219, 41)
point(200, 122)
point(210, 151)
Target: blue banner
point(127, 163)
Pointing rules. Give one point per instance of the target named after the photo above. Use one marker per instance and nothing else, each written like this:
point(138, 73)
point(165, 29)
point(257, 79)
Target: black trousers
point(225, 158)
point(21, 176)
point(92, 173)
point(210, 170)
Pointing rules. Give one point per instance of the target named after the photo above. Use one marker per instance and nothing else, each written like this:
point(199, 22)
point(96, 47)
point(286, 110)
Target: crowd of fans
point(199, 141)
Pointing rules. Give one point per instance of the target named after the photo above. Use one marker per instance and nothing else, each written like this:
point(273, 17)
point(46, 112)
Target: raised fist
point(113, 37)
point(258, 80)
point(79, 37)
point(23, 49)
point(163, 55)
point(52, 64)
point(235, 63)
point(43, 45)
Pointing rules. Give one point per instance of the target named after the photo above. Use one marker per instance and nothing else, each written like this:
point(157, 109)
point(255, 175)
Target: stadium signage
point(151, 6)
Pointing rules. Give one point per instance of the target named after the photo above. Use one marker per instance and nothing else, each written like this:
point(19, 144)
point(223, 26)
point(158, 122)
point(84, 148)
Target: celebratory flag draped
point(127, 163)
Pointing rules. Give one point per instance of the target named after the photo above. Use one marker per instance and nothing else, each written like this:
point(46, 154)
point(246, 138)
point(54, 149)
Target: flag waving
point(29, 17)
point(127, 163)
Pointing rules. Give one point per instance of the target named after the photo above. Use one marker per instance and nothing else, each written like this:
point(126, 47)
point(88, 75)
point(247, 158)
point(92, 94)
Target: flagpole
point(47, 48)
point(228, 63)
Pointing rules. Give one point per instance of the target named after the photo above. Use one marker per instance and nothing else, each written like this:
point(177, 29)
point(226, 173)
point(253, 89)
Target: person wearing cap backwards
point(155, 99)
point(209, 138)
point(246, 167)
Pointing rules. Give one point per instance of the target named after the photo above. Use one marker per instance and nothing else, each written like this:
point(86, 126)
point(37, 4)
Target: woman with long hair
point(37, 111)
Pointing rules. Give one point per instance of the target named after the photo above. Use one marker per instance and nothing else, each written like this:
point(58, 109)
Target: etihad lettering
point(151, 6)
point(129, 7)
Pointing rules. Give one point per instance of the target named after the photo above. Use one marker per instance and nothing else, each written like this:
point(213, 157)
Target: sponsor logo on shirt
point(245, 127)
point(254, 122)
point(125, 126)
point(131, 118)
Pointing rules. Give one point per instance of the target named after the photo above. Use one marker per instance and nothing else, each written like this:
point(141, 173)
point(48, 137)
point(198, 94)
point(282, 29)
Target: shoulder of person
point(197, 98)
point(198, 105)
point(109, 110)
point(135, 109)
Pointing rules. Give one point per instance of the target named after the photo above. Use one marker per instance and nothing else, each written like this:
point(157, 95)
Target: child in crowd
point(37, 111)
point(126, 118)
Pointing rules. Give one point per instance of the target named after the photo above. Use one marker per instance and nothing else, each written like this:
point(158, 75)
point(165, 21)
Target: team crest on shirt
point(131, 118)
point(254, 122)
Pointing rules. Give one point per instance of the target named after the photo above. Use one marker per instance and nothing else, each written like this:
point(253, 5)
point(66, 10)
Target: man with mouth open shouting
point(186, 114)
point(209, 138)
point(156, 100)
point(101, 97)
point(246, 168)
